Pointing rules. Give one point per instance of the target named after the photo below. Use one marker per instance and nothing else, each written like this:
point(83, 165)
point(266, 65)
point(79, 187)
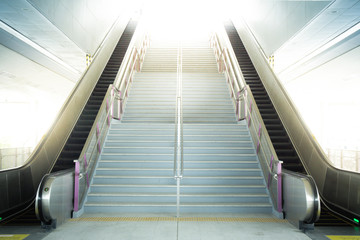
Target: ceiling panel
point(332, 22)
point(21, 16)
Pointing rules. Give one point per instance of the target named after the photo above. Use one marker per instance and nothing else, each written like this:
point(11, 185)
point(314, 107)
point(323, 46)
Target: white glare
point(172, 20)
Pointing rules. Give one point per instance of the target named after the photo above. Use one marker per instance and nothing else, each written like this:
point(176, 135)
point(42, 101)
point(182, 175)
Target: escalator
point(278, 135)
point(76, 141)
point(79, 134)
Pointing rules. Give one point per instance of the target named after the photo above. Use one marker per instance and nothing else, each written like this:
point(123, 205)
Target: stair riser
point(220, 165)
point(153, 116)
point(216, 209)
point(152, 150)
point(223, 199)
point(214, 137)
point(130, 180)
point(147, 189)
point(150, 133)
point(236, 127)
point(144, 138)
point(132, 199)
point(223, 189)
point(172, 199)
point(130, 209)
point(219, 181)
point(219, 172)
point(144, 157)
point(203, 157)
point(162, 164)
point(139, 144)
point(186, 111)
point(147, 111)
point(186, 132)
point(136, 172)
point(219, 151)
point(169, 119)
point(169, 172)
point(218, 132)
point(115, 124)
point(217, 144)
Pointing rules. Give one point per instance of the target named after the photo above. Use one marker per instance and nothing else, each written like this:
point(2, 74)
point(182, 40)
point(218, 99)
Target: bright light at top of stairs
point(190, 19)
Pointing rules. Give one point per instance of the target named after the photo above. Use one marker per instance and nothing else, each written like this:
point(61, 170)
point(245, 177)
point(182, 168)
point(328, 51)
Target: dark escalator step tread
point(284, 153)
point(269, 116)
point(95, 102)
point(85, 122)
point(90, 112)
point(88, 116)
point(266, 110)
point(282, 145)
point(263, 97)
point(73, 147)
point(257, 89)
point(272, 121)
point(274, 127)
point(266, 106)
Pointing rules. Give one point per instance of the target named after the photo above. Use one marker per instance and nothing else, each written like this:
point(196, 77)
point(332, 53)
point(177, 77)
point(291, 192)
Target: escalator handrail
point(42, 200)
point(310, 152)
point(49, 148)
point(265, 150)
point(309, 209)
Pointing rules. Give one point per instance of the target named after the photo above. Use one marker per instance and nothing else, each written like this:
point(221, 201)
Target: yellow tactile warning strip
point(343, 237)
point(13, 236)
point(180, 219)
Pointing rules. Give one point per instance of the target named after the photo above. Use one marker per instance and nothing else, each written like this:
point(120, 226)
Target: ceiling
point(56, 35)
point(43, 43)
point(334, 32)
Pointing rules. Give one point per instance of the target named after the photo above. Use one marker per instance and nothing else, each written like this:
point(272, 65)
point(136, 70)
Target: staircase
point(135, 171)
point(221, 170)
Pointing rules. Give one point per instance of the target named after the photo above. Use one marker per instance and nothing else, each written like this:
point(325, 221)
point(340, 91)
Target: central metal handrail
point(178, 147)
point(178, 143)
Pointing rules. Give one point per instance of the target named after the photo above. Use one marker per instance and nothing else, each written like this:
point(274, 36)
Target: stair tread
point(255, 204)
point(181, 195)
point(174, 186)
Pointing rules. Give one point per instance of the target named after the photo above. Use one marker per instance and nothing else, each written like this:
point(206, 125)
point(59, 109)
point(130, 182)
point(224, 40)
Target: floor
point(159, 227)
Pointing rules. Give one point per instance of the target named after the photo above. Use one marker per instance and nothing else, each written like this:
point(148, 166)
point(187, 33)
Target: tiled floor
point(187, 227)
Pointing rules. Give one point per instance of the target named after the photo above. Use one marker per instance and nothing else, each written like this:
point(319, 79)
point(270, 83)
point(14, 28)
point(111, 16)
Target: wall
point(328, 98)
point(28, 106)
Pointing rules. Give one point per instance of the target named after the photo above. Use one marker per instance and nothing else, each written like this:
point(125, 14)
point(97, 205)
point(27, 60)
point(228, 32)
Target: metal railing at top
point(246, 108)
point(111, 107)
point(178, 146)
